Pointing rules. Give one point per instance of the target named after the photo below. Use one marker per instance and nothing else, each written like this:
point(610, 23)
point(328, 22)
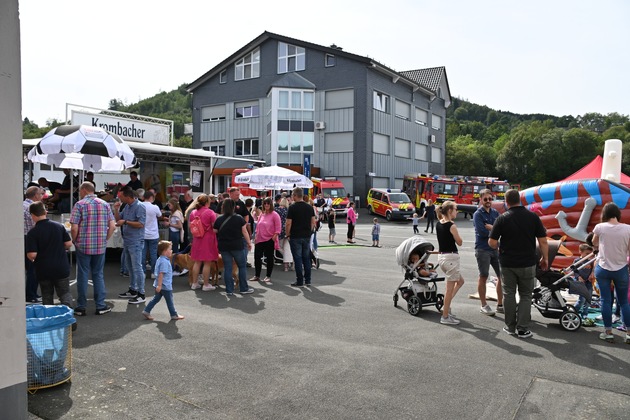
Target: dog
point(216, 267)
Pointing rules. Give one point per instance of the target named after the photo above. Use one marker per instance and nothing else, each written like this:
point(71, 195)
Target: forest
point(527, 149)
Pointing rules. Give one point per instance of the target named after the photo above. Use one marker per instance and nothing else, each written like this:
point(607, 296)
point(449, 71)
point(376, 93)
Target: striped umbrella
point(83, 147)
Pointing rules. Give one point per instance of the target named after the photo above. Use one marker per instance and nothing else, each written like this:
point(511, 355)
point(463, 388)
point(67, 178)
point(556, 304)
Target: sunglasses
point(487, 199)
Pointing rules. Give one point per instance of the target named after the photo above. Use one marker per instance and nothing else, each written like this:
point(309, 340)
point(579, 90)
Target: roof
point(256, 42)
point(430, 78)
point(593, 169)
point(292, 80)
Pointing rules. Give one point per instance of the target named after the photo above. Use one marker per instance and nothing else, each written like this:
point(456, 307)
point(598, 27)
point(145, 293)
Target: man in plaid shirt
point(92, 224)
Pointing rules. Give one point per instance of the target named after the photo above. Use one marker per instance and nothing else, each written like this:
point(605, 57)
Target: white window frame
point(250, 61)
point(248, 111)
point(218, 150)
point(421, 152)
point(380, 101)
point(436, 122)
point(403, 110)
point(299, 136)
point(246, 144)
point(402, 148)
point(424, 113)
point(223, 77)
point(330, 60)
point(284, 58)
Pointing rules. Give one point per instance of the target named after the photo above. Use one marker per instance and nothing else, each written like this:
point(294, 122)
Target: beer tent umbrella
point(84, 148)
point(273, 178)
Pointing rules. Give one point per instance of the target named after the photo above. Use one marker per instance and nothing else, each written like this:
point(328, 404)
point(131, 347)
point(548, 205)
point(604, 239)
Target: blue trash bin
point(48, 345)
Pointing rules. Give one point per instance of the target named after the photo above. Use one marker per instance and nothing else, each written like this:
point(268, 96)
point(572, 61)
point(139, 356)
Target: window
point(380, 144)
point(381, 101)
point(336, 99)
point(436, 155)
point(421, 152)
point(213, 113)
point(329, 60)
point(247, 147)
point(339, 142)
point(403, 110)
point(295, 141)
point(247, 109)
point(436, 122)
point(218, 150)
point(290, 58)
point(248, 67)
point(402, 148)
point(223, 77)
point(296, 105)
point(421, 116)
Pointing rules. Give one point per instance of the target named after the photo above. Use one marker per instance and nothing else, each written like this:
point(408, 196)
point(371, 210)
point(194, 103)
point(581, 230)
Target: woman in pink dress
point(204, 249)
point(267, 231)
point(351, 219)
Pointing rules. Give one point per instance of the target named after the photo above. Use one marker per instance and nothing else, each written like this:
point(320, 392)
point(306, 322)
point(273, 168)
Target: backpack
point(196, 228)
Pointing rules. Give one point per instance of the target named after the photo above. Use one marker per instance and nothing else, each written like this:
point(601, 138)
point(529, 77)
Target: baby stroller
point(549, 301)
point(417, 290)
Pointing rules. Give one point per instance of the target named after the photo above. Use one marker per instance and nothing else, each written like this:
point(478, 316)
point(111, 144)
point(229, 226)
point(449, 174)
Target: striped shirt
point(28, 220)
point(93, 216)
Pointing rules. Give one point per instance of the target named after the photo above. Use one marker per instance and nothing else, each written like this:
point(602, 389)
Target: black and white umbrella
point(83, 147)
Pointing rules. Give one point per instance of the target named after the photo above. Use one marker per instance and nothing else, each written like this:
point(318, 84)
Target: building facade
point(280, 99)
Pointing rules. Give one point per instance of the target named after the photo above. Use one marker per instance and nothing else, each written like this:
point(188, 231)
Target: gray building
point(280, 99)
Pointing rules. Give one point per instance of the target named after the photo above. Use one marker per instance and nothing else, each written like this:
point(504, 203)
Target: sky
point(560, 57)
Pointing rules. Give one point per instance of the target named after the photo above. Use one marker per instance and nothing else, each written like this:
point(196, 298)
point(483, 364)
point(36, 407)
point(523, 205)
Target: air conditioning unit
point(320, 125)
point(432, 138)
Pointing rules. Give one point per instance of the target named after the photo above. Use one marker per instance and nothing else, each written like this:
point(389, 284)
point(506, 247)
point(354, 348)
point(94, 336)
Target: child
point(164, 282)
point(421, 268)
point(414, 221)
point(331, 226)
point(584, 275)
point(376, 232)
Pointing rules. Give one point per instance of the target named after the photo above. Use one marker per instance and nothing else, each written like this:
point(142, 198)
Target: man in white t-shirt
point(151, 231)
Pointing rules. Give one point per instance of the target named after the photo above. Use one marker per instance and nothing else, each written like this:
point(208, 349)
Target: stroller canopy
point(408, 246)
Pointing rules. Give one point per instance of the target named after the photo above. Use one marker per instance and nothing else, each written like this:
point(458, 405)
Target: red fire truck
point(473, 184)
point(333, 188)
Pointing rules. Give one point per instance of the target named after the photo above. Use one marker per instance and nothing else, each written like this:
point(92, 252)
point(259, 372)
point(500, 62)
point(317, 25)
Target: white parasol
point(273, 178)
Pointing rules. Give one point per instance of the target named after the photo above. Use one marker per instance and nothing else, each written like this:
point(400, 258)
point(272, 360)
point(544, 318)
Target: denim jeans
point(90, 265)
point(581, 307)
point(150, 245)
point(135, 263)
point(521, 279)
point(123, 263)
point(239, 257)
point(604, 279)
point(168, 297)
point(174, 238)
point(301, 251)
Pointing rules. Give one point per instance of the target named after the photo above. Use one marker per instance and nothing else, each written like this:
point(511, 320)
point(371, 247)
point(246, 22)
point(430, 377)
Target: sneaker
point(80, 312)
point(615, 319)
point(507, 330)
point(124, 274)
point(487, 310)
point(138, 299)
point(195, 286)
point(176, 273)
point(500, 309)
point(249, 265)
point(208, 288)
point(104, 310)
point(183, 272)
point(449, 320)
point(588, 322)
point(147, 315)
point(627, 340)
point(308, 284)
point(247, 292)
point(177, 317)
point(229, 294)
point(524, 334)
point(128, 294)
point(599, 317)
point(622, 327)
point(607, 336)
point(296, 284)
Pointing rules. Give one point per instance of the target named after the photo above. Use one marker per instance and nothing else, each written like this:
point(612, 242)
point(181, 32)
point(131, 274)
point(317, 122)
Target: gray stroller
point(419, 291)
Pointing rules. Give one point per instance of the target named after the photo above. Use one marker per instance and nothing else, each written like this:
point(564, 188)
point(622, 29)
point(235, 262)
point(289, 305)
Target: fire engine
point(333, 188)
point(473, 184)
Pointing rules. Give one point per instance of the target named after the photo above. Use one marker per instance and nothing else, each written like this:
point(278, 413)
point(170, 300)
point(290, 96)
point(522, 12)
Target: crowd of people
point(226, 228)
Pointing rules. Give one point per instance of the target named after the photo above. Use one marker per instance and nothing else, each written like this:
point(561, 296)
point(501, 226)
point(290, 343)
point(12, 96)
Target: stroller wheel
point(570, 320)
point(439, 304)
point(396, 300)
point(414, 306)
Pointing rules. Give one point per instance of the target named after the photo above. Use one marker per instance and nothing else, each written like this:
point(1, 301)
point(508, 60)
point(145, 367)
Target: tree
point(517, 158)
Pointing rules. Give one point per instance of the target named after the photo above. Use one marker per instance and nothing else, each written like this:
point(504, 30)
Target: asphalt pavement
point(336, 350)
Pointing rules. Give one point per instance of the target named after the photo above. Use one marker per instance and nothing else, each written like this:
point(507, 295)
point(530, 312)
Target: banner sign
point(128, 129)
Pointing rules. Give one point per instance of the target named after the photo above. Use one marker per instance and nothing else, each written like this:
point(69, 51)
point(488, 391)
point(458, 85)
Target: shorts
point(485, 259)
point(331, 231)
point(449, 264)
point(375, 237)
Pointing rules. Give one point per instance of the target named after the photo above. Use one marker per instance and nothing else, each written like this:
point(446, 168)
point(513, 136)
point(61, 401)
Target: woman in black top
point(429, 214)
point(448, 259)
point(231, 228)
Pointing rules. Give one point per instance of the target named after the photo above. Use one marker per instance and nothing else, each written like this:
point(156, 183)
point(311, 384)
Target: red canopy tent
point(594, 170)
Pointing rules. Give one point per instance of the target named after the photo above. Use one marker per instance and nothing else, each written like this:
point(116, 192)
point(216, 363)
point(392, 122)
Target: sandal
point(255, 278)
point(266, 280)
